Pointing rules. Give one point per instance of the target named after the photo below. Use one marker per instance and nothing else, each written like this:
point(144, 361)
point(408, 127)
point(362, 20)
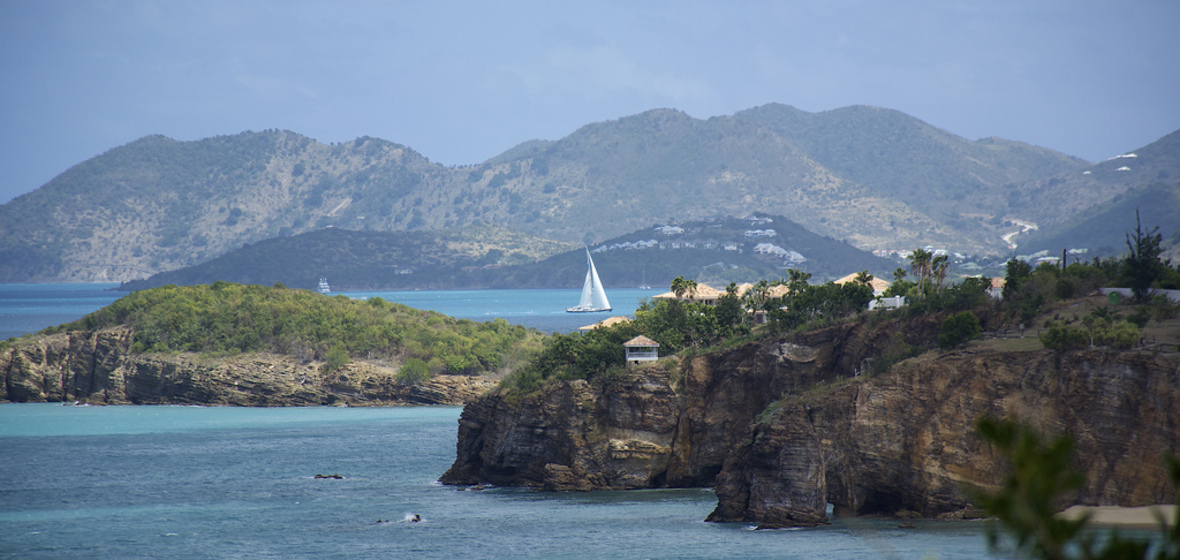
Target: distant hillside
point(361, 259)
point(1058, 199)
point(927, 168)
point(1102, 230)
point(872, 177)
point(715, 251)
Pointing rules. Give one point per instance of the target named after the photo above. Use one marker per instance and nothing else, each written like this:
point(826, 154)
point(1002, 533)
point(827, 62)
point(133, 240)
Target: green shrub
point(413, 372)
point(336, 358)
point(1061, 337)
point(958, 329)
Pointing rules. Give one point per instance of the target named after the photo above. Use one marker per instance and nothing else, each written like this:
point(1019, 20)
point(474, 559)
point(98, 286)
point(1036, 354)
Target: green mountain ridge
point(1102, 229)
point(874, 178)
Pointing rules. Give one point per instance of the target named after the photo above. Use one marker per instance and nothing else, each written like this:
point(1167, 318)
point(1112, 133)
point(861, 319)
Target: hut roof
point(641, 341)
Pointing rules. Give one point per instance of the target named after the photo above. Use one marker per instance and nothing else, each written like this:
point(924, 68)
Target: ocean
point(168, 482)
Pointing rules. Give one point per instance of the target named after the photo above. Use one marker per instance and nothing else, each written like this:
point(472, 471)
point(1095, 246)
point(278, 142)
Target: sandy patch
point(1145, 517)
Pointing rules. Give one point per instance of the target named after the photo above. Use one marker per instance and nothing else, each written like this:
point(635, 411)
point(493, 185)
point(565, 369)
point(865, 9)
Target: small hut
point(641, 349)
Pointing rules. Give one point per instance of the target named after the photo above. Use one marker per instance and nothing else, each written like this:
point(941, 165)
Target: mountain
point(1102, 229)
point(875, 178)
point(714, 251)
point(927, 168)
point(361, 259)
point(1053, 201)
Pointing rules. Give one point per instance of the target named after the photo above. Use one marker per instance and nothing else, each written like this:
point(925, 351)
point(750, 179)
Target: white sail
point(593, 295)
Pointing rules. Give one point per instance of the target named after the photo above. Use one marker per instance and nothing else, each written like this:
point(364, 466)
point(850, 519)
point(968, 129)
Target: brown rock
point(98, 367)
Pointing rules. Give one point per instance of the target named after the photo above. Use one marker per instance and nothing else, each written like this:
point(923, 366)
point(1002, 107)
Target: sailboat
point(593, 296)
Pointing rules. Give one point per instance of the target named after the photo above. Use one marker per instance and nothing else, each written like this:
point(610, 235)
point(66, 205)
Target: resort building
point(641, 349)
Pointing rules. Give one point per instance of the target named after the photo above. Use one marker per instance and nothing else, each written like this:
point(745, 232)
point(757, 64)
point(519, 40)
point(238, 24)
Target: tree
point(1017, 272)
point(863, 277)
point(957, 329)
point(679, 286)
point(939, 266)
point(920, 267)
point(797, 281)
point(1142, 265)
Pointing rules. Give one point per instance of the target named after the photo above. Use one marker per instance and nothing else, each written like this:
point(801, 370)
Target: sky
point(463, 81)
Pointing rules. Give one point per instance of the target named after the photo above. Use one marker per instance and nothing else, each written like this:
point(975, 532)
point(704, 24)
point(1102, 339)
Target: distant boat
point(324, 288)
point(593, 296)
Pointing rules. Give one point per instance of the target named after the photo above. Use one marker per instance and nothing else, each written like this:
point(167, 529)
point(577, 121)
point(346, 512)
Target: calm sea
point(28, 308)
point(190, 482)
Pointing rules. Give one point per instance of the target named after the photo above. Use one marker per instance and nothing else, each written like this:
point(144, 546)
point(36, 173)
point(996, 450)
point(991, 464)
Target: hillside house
point(895, 302)
point(703, 293)
point(879, 286)
point(641, 349)
point(609, 321)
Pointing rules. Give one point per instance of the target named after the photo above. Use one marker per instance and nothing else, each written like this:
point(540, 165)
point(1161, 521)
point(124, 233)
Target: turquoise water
point(28, 308)
point(191, 482)
point(542, 309)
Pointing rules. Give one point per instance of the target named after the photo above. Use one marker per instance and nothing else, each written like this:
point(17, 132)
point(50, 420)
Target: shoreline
point(1145, 517)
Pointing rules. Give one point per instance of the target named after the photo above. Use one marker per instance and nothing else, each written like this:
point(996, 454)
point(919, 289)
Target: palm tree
point(863, 277)
point(797, 280)
point(939, 265)
point(679, 286)
point(920, 266)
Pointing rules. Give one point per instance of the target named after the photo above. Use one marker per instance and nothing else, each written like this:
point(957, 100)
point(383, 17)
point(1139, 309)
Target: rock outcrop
point(98, 367)
point(781, 428)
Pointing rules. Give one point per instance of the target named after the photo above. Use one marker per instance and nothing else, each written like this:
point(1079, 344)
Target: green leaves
point(958, 329)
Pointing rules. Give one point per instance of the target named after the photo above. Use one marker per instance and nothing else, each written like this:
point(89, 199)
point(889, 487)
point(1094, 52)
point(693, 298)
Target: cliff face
point(661, 425)
point(782, 428)
point(97, 367)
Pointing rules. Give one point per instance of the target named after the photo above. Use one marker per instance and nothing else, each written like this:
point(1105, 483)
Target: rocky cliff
point(783, 427)
point(97, 367)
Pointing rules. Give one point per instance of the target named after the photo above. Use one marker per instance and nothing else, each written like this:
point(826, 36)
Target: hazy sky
point(462, 81)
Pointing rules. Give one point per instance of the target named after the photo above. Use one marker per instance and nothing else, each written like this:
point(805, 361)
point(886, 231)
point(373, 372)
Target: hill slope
point(712, 251)
point(1102, 229)
point(876, 178)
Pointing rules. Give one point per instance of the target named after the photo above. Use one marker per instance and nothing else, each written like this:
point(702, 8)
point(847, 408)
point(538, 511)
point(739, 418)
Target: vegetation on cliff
point(232, 318)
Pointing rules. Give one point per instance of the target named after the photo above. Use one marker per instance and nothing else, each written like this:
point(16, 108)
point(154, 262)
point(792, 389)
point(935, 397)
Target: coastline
point(1146, 517)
